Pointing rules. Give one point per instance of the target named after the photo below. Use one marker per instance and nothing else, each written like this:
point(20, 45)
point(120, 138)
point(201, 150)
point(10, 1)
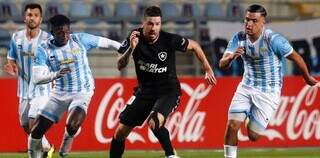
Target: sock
point(34, 147)
point(45, 144)
point(117, 148)
point(66, 144)
point(164, 138)
point(230, 151)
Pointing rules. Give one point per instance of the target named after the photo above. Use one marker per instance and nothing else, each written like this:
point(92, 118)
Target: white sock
point(45, 144)
point(230, 151)
point(34, 147)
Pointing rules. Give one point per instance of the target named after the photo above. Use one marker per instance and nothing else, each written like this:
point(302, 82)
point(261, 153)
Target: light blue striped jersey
point(72, 55)
point(23, 51)
point(263, 60)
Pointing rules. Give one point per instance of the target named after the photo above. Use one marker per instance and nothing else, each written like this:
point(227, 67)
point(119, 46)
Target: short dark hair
point(58, 21)
point(33, 6)
point(152, 11)
point(255, 8)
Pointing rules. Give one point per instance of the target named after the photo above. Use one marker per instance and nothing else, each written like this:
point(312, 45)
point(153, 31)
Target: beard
point(33, 25)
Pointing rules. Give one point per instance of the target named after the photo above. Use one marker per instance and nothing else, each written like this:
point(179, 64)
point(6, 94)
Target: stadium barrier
point(198, 123)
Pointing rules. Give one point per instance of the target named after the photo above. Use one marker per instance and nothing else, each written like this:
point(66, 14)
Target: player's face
point(254, 23)
point(61, 34)
point(151, 28)
point(32, 18)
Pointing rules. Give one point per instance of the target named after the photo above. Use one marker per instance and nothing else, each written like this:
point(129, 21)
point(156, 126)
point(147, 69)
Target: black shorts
point(140, 106)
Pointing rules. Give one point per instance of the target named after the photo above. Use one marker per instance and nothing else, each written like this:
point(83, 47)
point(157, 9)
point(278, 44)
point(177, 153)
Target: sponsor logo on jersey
point(149, 67)
point(28, 54)
point(162, 56)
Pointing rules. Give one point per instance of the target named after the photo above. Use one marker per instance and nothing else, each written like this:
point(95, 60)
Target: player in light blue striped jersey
point(20, 61)
point(258, 95)
point(63, 59)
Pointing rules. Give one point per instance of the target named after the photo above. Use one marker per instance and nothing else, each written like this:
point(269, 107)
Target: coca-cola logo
point(184, 126)
point(297, 114)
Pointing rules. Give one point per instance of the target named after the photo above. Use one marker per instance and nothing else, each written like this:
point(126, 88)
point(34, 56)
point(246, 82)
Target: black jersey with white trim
point(155, 63)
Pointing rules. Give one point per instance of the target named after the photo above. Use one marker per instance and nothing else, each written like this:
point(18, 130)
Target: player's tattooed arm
point(123, 59)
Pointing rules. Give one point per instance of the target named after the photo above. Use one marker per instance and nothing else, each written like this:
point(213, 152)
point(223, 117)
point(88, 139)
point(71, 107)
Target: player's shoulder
point(46, 44)
point(167, 34)
point(18, 35)
point(45, 35)
point(272, 35)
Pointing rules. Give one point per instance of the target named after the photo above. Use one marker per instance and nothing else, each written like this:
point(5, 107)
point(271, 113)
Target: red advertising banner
point(198, 123)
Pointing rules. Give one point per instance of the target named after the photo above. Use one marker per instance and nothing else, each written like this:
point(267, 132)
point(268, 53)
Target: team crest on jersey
point(162, 56)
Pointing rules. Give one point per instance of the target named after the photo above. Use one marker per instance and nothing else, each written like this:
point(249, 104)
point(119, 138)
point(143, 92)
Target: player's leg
point(118, 141)
point(49, 114)
point(24, 107)
point(238, 110)
point(75, 118)
point(76, 115)
point(34, 141)
point(163, 107)
point(135, 113)
point(264, 106)
point(36, 105)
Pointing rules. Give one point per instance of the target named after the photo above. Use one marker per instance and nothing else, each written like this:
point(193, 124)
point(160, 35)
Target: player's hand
point(238, 52)
point(134, 40)
point(209, 77)
point(312, 81)
point(63, 72)
point(11, 69)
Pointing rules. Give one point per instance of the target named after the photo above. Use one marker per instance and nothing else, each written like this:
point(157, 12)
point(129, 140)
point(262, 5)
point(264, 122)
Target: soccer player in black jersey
point(158, 91)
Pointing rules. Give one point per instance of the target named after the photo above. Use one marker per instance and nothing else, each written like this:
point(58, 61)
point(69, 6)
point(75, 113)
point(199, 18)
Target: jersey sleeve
point(124, 45)
point(89, 41)
point(12, 53)
point(40, 57)
point(233, 44)
point(281, 46)
point(179, 43)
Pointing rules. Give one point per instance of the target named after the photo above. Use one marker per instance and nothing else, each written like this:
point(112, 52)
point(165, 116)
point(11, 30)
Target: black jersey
point(155, 63)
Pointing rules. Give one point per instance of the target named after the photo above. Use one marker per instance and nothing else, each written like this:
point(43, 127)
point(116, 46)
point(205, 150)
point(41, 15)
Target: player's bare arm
point(227, 58)
point(195, 47)
point(11, 68)
point(123, 59)
point(297, 59)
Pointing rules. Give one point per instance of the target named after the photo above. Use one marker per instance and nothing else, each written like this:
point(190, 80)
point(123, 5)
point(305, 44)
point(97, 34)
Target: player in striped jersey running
point(63, 59)
point(20, 60)
point(258, 95)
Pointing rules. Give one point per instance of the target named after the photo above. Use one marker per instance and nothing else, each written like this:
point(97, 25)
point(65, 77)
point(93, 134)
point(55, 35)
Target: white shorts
point(258, 106)
point(29, 108)
point(59, 102)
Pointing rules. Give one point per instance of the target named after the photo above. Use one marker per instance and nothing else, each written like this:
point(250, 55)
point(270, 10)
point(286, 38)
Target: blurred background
point(194, 19)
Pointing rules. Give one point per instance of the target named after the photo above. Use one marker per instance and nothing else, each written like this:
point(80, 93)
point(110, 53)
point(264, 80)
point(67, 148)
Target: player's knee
point(156, 120)
point(122, 132)
point(234, 125)
point(253, 136)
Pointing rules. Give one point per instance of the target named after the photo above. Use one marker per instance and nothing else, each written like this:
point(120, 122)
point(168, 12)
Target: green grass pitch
point(242, 153)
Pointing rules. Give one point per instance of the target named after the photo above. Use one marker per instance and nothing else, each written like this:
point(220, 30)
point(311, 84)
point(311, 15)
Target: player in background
point(158, 91)
point(63, 59)
point(258, 94)
point(20, 61)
